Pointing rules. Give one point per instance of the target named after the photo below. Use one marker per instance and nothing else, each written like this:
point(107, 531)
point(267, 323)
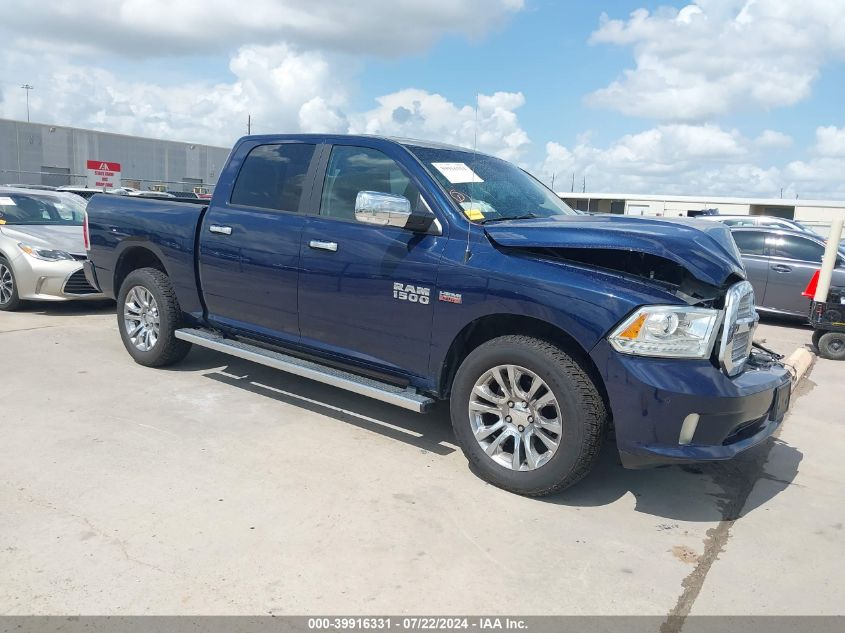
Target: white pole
point(829, 260)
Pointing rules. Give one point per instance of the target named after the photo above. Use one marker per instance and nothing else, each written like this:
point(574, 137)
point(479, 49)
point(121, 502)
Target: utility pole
point(584, 187)
point(573, 182)
point(248, 124)
point(27, 87)
point(553, 182)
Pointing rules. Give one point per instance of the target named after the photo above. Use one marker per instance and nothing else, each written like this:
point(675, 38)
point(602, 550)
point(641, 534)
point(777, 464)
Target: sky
point(716, 97)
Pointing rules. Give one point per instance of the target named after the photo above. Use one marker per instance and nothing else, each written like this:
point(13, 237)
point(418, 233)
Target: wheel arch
point(492, 326)
point(133, 258)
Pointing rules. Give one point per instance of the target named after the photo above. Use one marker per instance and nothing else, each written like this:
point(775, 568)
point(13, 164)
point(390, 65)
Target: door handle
point(221, 230)
point(780, 268)
point(323, 246)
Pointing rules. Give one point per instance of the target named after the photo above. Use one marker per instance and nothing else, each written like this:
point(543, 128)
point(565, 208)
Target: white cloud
point(686, 159)
point(717, 56)
point(293, 64)
point(772, 139)
point(823, 172)
point(830, 141)
point(283, 89)
point(420, 114)
point(151, 28)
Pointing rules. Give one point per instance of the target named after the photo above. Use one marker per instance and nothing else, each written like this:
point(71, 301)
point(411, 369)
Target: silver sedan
point(41, 247)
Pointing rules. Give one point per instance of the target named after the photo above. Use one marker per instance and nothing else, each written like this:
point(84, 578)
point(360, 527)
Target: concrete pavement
point(221, 487)
point(788, 550)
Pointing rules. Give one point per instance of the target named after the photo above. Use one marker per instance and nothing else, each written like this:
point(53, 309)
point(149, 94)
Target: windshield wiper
point(526, 216)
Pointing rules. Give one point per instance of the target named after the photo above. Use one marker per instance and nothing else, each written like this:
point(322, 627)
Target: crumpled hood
point(62, 238)
point(705, 249)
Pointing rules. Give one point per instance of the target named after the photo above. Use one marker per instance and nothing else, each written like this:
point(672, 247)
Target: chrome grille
point(738, 331)
point(746, 306)
point(739, 348)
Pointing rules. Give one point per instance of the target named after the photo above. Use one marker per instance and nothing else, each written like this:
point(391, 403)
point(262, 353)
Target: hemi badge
point(450, 297)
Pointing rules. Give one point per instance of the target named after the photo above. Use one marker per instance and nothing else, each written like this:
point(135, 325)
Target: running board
point(404, 397)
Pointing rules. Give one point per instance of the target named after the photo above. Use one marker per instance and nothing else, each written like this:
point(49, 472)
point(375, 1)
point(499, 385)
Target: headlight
point(45, 253)
point(668, 331)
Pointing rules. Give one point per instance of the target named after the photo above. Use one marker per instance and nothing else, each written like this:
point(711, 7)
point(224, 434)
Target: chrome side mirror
point(382, 209)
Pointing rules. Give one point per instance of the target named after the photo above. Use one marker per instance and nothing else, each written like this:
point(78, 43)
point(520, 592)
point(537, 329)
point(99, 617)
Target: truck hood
point(62, 238)
point(705, 249)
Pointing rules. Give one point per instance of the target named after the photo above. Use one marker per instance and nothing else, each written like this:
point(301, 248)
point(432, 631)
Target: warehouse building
point(36, 153)
point(811, 212)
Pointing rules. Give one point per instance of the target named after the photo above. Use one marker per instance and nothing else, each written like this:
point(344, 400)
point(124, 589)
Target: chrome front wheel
point(515, 417)
point(141, 318)
point(7, 284)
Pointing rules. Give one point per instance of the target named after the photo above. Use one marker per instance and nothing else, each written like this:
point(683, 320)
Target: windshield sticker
point(7, 201)
point(457, 196)
point(457, 173)
point(477, 210)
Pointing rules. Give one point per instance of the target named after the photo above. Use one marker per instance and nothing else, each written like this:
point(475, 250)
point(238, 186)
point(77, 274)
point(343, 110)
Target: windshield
point(50, 210)
point(488, 189)
point(806, 228)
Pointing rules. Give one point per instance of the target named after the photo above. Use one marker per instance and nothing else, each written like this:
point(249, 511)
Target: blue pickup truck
point(413, 272)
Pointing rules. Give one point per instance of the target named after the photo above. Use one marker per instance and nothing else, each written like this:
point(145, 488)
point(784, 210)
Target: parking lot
point(222, 487)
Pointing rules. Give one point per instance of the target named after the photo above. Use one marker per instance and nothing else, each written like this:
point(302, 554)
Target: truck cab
point(414, 272)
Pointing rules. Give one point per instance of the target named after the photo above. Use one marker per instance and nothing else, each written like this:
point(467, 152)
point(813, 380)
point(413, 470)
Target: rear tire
point(550, 437)
point(832, 345)
point(9, 299)
point(148, 315)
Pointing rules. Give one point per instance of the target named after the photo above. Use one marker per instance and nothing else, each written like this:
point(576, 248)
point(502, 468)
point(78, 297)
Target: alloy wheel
point(515, 417)
point(7, 284)
point(141, 318)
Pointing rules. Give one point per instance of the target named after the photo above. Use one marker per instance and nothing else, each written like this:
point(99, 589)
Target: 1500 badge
point(409, 292)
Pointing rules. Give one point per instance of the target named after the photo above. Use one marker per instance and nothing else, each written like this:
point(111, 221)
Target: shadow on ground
point(699, 492)
point(68, 308)
point(799, 323)
point(692, 492)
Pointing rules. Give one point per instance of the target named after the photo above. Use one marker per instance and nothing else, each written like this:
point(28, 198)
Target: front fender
point(581, 302)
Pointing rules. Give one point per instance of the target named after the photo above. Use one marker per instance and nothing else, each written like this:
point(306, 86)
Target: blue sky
point(733, 97)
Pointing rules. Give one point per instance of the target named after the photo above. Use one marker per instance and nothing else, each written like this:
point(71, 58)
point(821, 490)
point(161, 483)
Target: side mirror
point(387, 209)
point(382, 209)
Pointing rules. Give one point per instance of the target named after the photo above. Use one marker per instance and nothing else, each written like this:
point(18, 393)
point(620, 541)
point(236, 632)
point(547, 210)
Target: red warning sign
point(103, 174)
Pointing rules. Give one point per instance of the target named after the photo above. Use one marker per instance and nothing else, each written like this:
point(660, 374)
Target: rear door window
point(272, 176)
point(750, 242)
point(794, 247)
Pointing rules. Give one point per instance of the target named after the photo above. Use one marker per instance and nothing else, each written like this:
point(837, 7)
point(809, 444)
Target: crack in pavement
point(747, 473)
point(28, 329)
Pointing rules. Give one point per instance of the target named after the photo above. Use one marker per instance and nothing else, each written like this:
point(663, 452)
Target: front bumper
point(651, 398)
point(39, 280)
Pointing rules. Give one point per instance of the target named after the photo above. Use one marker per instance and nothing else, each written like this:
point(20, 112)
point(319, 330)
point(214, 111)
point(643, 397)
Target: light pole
point(27, 87)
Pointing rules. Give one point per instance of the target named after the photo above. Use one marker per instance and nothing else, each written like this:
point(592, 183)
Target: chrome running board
point(404, 397)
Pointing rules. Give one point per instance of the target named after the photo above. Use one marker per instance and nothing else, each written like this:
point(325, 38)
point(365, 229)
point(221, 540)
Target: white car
point(41, 247)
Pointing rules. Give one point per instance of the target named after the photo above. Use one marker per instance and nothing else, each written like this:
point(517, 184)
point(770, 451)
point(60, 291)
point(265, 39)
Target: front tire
point(528, 418)
point(148, 315)
point(832, 345)
point(9, 299)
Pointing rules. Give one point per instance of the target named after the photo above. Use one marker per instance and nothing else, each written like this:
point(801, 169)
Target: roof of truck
point(352, 137)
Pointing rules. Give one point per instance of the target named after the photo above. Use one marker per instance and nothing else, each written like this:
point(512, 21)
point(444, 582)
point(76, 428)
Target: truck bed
point(121, 226)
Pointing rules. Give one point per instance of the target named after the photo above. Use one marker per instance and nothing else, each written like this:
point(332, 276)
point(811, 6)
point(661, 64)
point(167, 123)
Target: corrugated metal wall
point(28, 149)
